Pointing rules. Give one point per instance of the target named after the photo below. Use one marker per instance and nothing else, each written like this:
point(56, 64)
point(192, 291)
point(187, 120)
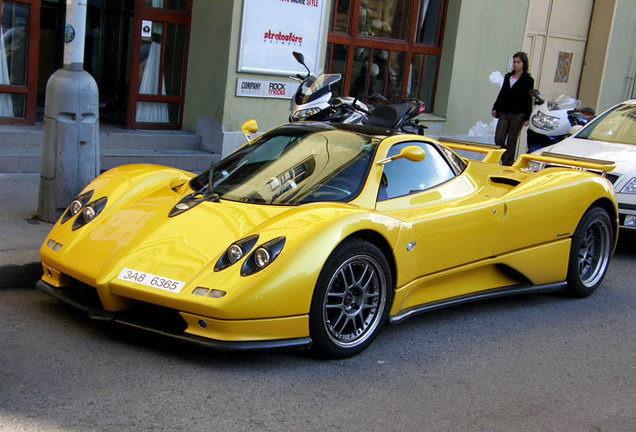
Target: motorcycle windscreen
point(311, 89)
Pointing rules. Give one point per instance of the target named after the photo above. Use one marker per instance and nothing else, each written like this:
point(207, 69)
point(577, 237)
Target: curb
point(20, 275)
point(20, 268)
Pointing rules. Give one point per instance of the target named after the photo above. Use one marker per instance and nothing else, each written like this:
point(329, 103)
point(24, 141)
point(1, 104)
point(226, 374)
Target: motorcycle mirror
point(587, 111)
point(301, 59)
point(537, 97)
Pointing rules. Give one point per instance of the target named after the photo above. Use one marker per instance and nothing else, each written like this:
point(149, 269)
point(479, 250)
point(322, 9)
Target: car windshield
point(616, 126)
point(294, 165)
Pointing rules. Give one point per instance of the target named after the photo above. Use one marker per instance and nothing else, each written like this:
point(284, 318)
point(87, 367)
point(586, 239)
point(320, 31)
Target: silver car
point(610, 137)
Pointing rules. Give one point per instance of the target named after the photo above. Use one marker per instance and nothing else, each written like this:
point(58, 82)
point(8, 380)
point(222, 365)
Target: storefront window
point(158, 112)
point(176, 5)
point(394, 49)
point(160, 82)
point(150, 60)
point(338, 56)
point(428, 21)
point(154, 3)
point(421, 82)
point(175, 57)
point(155, 81)
point(14, 32)
point(340, 18)
point(12, 105)
point(386, 19)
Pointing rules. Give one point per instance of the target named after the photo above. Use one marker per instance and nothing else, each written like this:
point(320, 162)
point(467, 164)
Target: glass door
point(19, 29)
point(161, 34)
point(107, 54)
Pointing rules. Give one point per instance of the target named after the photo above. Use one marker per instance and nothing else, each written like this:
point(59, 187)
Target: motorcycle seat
point(388, 116)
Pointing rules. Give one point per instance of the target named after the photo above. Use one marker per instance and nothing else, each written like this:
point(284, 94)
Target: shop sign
point(272, 29)
point(266, 88)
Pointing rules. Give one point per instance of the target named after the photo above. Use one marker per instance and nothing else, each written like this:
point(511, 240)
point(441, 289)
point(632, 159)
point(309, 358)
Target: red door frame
point(143, 12)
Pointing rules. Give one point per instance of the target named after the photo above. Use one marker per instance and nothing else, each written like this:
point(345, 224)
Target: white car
point(610, 137)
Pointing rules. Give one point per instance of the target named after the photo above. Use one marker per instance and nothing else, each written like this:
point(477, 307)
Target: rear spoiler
point(536, 162)
point(492, 153)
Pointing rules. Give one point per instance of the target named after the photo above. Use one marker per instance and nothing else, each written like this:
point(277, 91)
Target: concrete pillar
point(70, 147)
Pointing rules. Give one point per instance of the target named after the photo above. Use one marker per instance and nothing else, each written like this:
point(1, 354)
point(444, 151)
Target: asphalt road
point(532, 363)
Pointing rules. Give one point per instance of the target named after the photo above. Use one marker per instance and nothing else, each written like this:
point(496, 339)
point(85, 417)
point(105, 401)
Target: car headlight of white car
point(630, 187)
point(544, 121)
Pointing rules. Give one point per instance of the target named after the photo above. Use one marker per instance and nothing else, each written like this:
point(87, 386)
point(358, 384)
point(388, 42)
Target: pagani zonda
point(314, 235)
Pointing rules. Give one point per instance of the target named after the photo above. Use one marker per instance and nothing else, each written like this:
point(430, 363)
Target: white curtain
point(153, 112)
point(6, 106)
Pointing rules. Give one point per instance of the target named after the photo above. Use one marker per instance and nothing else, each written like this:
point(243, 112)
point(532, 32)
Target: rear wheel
point(590, 252)
point(351, 300)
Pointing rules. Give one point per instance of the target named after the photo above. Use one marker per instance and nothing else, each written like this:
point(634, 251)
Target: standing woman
point(513, 106)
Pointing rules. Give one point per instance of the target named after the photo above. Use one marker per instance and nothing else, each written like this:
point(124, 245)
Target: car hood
point(624, 155)
point(139, 235)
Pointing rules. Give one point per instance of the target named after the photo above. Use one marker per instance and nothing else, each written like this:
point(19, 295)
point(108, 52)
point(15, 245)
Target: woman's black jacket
point(515, 99)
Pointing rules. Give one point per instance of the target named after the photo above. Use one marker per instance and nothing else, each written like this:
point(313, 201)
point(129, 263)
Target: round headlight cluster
point(88, 214)
point(261, 257)
point(75, 207)
point(234, 253)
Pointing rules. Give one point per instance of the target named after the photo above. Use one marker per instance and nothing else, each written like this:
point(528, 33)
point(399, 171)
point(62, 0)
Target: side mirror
point(574, 129)
point(299, 57)
point(537, 97)
point(249, 127)
point(410, 153)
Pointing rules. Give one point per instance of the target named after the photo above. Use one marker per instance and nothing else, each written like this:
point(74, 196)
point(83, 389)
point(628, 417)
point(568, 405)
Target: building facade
point(196, 64)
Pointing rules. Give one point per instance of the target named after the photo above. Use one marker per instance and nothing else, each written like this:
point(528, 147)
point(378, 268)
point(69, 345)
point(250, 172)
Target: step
point(21, 149)
point(189, 160)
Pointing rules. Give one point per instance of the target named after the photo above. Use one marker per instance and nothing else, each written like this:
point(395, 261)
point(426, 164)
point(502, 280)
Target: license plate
point(150, 280)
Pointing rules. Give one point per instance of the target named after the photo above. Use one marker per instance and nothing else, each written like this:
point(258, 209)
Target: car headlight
point(89, 212)
point(630, 187)
point(544, 121)
point(263, 256)
point(77, 205)
point(235, 252)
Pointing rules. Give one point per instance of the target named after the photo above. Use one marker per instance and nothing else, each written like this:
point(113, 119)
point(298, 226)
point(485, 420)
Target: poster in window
point(562, 73)
point(272, 29)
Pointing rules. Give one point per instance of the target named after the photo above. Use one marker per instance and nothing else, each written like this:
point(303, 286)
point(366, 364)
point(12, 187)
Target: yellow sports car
point(314, 235)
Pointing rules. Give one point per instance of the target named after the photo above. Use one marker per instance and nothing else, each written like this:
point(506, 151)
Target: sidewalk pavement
point(21, 234)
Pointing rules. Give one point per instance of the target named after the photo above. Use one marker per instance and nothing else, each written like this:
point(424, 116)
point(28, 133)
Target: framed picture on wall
point(272, 29)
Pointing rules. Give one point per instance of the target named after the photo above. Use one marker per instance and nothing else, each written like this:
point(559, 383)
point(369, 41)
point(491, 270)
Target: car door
point(449, 218)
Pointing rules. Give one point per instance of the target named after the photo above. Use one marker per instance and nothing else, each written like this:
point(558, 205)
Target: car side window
point(403, 177)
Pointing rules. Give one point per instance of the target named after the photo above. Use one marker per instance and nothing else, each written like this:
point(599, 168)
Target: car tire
point(351, 300)
point(590, 252)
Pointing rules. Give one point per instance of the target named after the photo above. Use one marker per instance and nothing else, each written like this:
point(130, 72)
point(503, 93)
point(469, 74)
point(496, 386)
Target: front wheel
point(351, 300)
point(590, 252)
